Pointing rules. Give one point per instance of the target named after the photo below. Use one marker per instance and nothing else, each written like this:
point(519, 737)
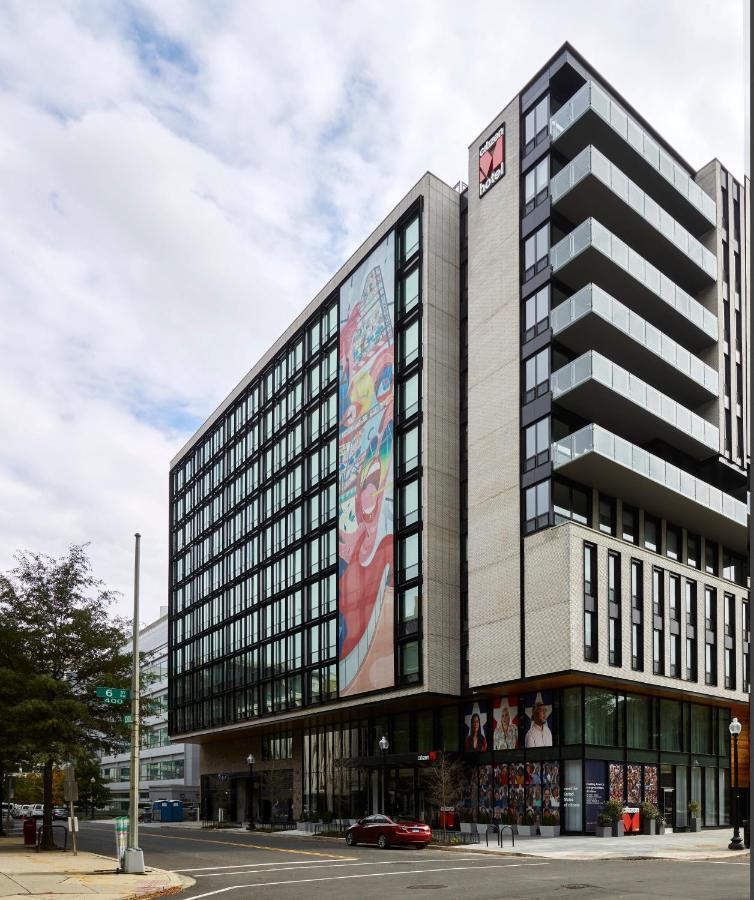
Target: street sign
point(127, 720)
point(70, 786)
point(114, 701)
point(106, 693)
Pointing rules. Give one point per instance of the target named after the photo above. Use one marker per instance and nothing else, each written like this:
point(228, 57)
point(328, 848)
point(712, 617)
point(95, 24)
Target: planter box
point(695, 824)
point(618, 829)
point(549, 830)
point(468, 828)
point(604, 831)
point(660, 828)
point(649, 826)
point(526, 831)
point(481, 827)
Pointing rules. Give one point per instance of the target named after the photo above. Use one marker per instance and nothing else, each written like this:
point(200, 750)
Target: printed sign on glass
point(539, 721)
point(505, 723)
point(475, 720)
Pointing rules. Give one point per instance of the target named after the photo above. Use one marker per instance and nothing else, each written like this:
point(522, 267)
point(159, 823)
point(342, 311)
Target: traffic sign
point(116, 701)
point(127, 720)
point(106, 693)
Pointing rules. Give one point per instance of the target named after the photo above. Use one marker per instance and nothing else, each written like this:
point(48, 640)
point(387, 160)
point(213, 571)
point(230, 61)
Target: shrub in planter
point(604, 827)
point(613, 810)
point(467, 826)
point(695, 823)
point(550, 826)
point(648, 813)
point(528, 828)
point(483, 822)
point(660, 823)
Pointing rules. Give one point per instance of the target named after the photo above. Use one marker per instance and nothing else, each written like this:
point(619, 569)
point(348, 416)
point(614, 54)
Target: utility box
point(30, 832)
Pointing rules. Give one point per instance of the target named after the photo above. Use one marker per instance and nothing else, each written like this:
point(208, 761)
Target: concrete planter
point(468, 828)
point(527, 831)
point(649, 826)
point(695, 824)
point(604, 831)
point(481, 827)
point(660, 827)
point(549, 830)
point(618, 829)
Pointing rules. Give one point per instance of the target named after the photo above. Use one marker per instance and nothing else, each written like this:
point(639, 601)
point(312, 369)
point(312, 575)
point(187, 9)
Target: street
point(281, 867)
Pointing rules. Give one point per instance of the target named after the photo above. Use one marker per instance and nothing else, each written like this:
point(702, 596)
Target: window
point(729, 637)
point(408, 557)
point(607, 515)
point(637, 615)
point(536, 124)
point(658, 622)
point(536, 184)
point(746, 636)
point(600, 717)
point(570, 503)
point(693, 553)
point(409, 344)
point(710, 557)
point(630, 524)
point(536, 250)
point(408, 447)
point(614, 609)
point(590, 602)
point(691, 668)
point(408, 610)
point(537, 444)
point(409, 661)
point(651, 533)
point(409, 291)
point(408, 503)
point(409, 396)
point(674, 610)
point(536, 313)
point(536, 375)
point(672, 542)
point(736, 219)
point(537, 506)
point(710, 636)
point(734, 567)
point(410, 239)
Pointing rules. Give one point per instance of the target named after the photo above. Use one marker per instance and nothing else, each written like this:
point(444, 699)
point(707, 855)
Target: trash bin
point(745, 823)
point(30, 832)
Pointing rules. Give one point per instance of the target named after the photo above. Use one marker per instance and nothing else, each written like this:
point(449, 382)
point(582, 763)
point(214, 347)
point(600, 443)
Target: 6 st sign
point(116, 696)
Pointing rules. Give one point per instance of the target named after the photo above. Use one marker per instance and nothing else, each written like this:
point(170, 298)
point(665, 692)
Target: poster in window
point(616, 782)
point(475, 735)
point(500, 783)
point(505, 723)
point(486, 789)
point(595, 790)
point(550, 783)
point(650, 784)
point(633, 784)
point(365, 475)
point(539, 719)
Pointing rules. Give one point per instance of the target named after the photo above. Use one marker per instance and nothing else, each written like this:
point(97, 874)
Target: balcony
point(591, 319)
point(595, 457)
point(591, 116)
point(596, 388)
point(592, 253)
point(592, 184)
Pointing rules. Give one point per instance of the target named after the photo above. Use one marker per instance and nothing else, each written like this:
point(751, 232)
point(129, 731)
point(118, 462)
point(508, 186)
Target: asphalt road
point(276, 867)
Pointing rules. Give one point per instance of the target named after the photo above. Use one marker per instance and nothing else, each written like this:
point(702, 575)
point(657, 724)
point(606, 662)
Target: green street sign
point(113, 694)
point(127, 720)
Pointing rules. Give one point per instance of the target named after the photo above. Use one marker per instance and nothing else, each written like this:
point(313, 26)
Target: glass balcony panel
point(601, 238)
point(695, 194)
point(668, 348)
point(583, 442)
point(653, 339)
point(694, 250)
point(683, 419)
point(711, 433)
point(715, 499)
point(680, 180)
point(652, 212)
point(620, 253)
point(620, 316)
point(688, 484)
point(600, 101)
point(669, 409)
point(667, 225)
point(635, 136)
point(619, 120)
point(690, 363)
point(656, 468)
point(623, 451)
point(621, 381)
point(603, 442)
point(581, 236)
point(636, 265)
point(637, 389)
point(654, 401)
point(641, 460)
point(636, 200)
point(582, 368)
point(667, 289)
point(672, 477)
point(666, 165)
point(638, 327)
point(702, 490)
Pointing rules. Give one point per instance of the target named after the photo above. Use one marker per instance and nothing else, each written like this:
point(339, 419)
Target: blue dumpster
point(176, 811)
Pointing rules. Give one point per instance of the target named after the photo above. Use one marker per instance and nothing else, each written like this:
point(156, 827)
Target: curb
point(610, 858)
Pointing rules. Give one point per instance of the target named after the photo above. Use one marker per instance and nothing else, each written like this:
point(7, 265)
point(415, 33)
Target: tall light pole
point(133, 858)
point(249, 816)
point(384, 746)
point(735, 729)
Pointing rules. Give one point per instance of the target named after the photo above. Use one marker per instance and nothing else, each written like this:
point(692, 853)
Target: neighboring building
point(168, 770)
point(487, 494)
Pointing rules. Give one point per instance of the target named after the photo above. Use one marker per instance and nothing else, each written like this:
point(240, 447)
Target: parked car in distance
point(59, 812)
point(386, 832)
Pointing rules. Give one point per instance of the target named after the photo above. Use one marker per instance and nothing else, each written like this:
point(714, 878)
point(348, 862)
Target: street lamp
point(735, 729)
point(250, 762)
point(384, 746)
point(91, 793)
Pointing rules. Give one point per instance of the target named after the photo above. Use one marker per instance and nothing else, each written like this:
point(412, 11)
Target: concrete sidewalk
point(712, 845)
point(26, 873)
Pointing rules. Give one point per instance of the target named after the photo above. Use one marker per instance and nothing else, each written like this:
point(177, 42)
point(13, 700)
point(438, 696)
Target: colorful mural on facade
point(365, 475)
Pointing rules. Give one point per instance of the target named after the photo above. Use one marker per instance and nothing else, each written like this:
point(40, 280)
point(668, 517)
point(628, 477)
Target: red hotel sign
point(492, 160)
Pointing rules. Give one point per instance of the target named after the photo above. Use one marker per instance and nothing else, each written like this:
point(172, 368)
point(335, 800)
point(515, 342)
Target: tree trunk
point(47, 839)
point(2, 798)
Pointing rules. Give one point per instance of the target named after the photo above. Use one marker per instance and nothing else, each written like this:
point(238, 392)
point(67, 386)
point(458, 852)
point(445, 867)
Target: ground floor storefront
point(551, 755)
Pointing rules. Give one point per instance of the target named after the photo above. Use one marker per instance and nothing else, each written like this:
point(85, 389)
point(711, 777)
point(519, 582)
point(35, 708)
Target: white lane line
point(319, 865)
point(315, 862)
point(235, 887)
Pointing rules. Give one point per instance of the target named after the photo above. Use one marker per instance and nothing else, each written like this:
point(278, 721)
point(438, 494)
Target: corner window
point(536, 313)
point(570, 503)
point(410, 239)
point(536, 122)
point(536, 184)
point(537, 444)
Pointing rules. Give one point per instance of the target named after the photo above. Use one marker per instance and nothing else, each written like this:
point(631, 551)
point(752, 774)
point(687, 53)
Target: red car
point(386, 832)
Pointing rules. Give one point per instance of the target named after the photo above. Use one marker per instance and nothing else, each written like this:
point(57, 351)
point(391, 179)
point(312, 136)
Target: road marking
point(317, 864)
point(305, 862)
point(235, 887)
point(174, 837)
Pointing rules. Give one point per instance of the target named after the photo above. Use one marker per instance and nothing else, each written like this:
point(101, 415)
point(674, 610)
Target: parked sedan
point(386, 832)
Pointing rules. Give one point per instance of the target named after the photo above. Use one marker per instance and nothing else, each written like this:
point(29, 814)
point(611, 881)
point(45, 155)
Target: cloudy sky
point(179, 179)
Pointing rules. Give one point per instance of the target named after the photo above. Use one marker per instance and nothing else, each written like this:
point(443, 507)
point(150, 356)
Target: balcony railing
point(591, 233)
point(594, 366)
point(592, 162)
point(591, 96)
point(595, 439)
point(592, 299)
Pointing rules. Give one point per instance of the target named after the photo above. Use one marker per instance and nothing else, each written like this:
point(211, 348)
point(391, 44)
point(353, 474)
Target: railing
point(592, 96)
point(595, 439)
point(590, 161)
point(593, 366)
point(592, 299)
point(41, 831)
point(591, 233)
point(442, 836)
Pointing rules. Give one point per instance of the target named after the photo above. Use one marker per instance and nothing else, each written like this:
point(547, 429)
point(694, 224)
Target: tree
point(443, 781)
point(64, 644)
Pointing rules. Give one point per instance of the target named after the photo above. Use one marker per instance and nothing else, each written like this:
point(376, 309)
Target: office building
point(487, 495)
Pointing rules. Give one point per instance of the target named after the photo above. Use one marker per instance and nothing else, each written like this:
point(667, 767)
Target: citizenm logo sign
point(492, 160)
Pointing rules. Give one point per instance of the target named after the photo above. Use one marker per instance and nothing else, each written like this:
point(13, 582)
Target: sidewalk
point(26, 873)
point(712, 845)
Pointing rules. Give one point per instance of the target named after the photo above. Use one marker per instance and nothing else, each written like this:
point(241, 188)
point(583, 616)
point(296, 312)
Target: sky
point(179, 179)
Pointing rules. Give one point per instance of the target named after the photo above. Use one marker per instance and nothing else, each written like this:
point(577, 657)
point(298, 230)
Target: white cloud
point(179, 179)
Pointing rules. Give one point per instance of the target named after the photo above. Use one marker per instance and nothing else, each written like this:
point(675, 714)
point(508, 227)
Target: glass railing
point(592, 162)
point(595, 439)
point(592, 96)
point(593, 366)
point(592, 299)
point(590, 233)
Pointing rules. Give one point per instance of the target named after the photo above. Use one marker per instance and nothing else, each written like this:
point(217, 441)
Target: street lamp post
point(250, 762)
point(91, 794)
point(384, 746)
point(735, 729)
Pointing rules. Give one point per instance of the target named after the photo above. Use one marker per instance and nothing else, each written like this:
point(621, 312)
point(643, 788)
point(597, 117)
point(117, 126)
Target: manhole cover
point(426, 887)
point(576, 887)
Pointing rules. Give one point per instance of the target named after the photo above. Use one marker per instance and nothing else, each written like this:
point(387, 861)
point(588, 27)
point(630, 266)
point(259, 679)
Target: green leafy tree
point(65, 644)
